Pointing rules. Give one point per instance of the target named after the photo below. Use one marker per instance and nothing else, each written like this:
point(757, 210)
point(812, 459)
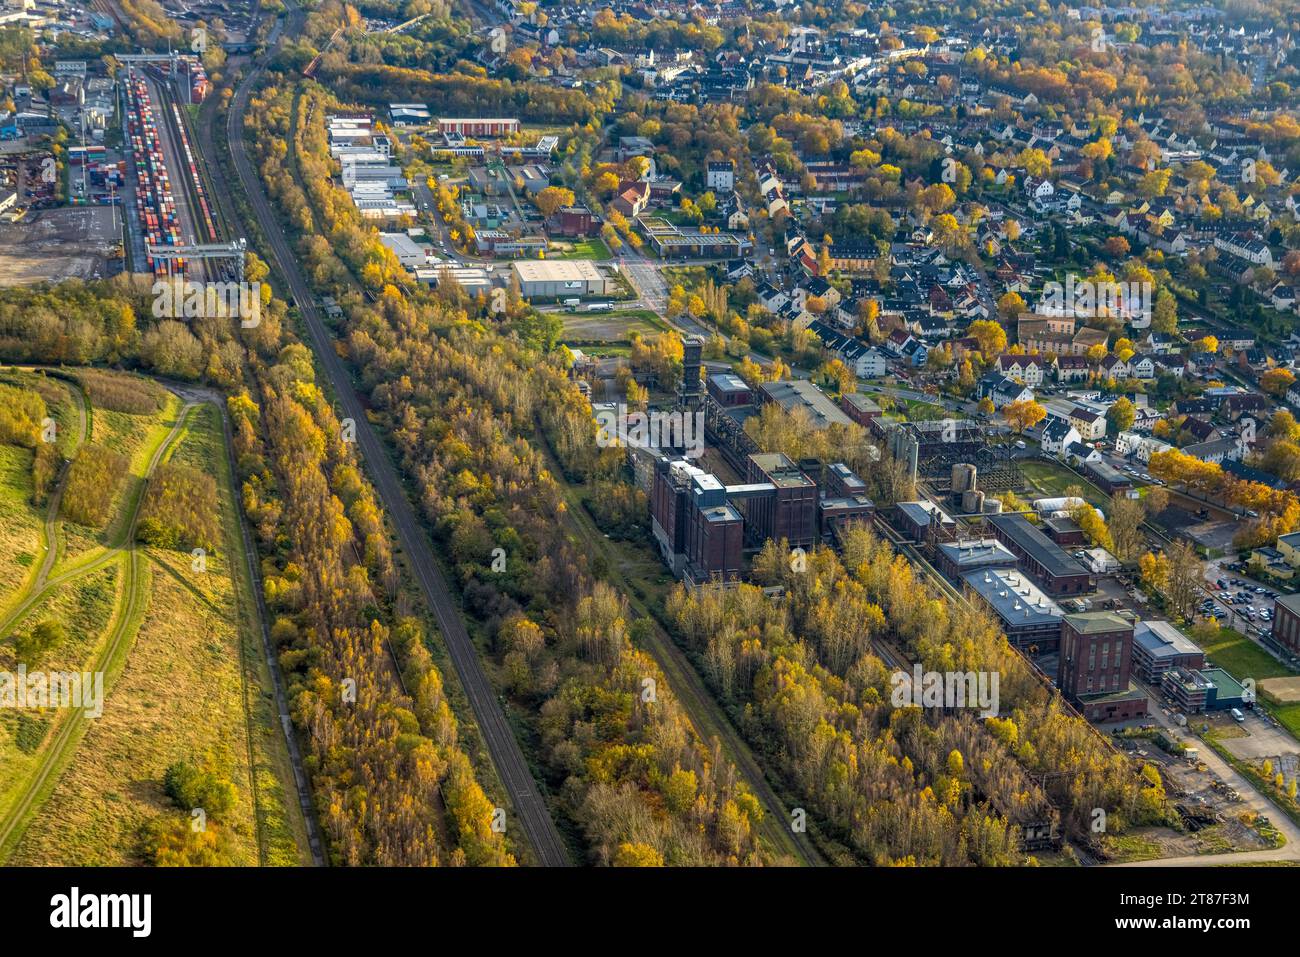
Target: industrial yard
point(80, 242)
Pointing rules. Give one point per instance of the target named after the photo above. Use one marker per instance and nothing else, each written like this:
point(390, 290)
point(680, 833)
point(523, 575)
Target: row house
point(1024, 368)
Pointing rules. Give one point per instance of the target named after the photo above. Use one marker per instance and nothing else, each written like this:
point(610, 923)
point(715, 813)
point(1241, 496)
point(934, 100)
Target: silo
point(972, 501)
point(963, 478)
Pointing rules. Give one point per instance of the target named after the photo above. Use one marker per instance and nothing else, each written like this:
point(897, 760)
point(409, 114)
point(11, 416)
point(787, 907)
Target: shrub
point(93, 480)
point(180, 510)
point(120, 392)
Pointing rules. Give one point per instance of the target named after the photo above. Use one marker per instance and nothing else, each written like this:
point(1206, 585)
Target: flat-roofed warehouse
point(558, 279)
point(1031, 620)
point(800, 393)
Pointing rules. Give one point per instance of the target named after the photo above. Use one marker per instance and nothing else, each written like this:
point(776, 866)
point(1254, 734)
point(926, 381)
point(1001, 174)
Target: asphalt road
point(538, 827)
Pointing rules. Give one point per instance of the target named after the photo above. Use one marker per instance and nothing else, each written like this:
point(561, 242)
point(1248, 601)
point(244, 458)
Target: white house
point(721, 176)
point(1141, 447)
point(1003, 390)
point(1039, 189)
point(1254, 251)
point(1058, 435)
point(1100, 561)
point(1142, 367)
point(1026, 369)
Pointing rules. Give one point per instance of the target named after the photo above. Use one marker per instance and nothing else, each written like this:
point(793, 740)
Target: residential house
point(1024, 368)
point(1058, 435)
point(1002, 390)
point(1091, 424)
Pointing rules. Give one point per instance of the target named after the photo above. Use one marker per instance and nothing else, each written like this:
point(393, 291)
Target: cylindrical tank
point(963, 478)
point(993, 506)
point(972, 501)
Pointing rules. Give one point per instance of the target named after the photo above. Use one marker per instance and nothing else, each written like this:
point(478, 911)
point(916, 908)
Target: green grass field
point(1242, 658)
point(184, 675)
point(22, 527)
point(585, 249)
point(1052, 480)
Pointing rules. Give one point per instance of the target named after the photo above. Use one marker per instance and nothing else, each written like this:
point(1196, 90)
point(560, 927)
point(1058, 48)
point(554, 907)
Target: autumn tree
point(990, 335)
point(1125, 524)
point(1120, 415)
point(1010, 305)
point(552, 199)
point(1277, 381)
point(1023, 414)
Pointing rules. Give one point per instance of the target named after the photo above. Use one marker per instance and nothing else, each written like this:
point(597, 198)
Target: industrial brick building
point(1096, 655)
point(478, 127)
point(1040, 557)
point(966, 555)
point(1286, 627)
point(791, 513)
point(1031, 620)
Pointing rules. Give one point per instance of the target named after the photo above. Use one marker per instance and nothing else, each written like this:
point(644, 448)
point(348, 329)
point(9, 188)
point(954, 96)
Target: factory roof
point(1013, 597)
point(1037, 545)
point(557, 270)
point(1161, 639)
point(800, 393)
point(1098, 622)
point(780, 471)
point(919, 512)
point(971, 553)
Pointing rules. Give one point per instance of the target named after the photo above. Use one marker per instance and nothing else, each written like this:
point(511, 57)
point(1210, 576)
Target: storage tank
point(972, 501)
point(993, 506)
point(963, 478)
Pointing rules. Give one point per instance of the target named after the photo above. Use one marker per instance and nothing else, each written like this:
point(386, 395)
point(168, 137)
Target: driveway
point(1290, 851)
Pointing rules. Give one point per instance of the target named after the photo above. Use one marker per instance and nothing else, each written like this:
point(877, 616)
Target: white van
point(1237, 715)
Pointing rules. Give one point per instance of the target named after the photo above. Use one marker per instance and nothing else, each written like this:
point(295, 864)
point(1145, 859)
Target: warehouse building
point(559, 279)
point(471, 279)
point(408, 252)
point(1042, 558)
point(1159, 647)
point(1031, 620)
point(791, 394)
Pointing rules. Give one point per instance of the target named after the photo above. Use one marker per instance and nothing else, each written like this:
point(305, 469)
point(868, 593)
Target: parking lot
point(1238, 601)
point(1256, 738)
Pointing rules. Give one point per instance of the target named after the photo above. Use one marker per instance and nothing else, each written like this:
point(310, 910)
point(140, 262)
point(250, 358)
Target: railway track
point(106, 6)
point(526, 797)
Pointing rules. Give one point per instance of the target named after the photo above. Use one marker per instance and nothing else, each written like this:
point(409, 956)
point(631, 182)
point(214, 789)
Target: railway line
point(525, 795)
point(155, 203)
